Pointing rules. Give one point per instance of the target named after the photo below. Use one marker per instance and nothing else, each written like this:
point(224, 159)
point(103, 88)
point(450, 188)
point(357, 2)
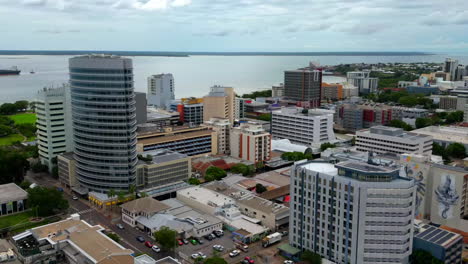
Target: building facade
point(303, 126)
point(250, 142)
point(223, 131)
point(239, 107)
point(332, 91)
point(277, 90)
point(448, 102)
point(219, 103)
point(352, 212)
point(54, 123)
point(303, 86)
point(67, 170)
point(104, 121)
point(160, 90)
point(190, 110)
point(12, 199)
point(363, 81)
point(382, 139)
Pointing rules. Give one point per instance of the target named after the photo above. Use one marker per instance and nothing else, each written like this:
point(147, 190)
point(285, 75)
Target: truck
point(271, 239)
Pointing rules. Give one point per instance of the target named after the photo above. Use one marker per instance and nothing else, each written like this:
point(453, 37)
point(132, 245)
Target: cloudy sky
point(235, 25)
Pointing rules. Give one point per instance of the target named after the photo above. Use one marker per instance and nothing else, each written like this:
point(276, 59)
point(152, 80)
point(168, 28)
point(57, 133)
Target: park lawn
point(10, 139)
point(25, 118)
point(10, 220)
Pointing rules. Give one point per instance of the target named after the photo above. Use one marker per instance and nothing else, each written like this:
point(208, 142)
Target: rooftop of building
point(68, 155)
point(155, 138)
point(206, 195)
point(299, 112)
point(435, 235)
point(365, 167)
point(88, 240)
point(394, 132)
point(445, 133)
point(11, 192)
point(159, 156)
point(146, 204)
point(157, 113)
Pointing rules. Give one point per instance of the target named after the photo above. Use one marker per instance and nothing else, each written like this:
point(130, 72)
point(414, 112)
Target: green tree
point(13, 165)
point(143, 194)
point(121, 195)
point(27, 130)
point(114, 237)
point(47, 201)
point(324, 146)
point(408, 101)
point(454, 117)
point(440, 151)
point(193, 181)
point(295, 156)
point(259, 188)
point(400, 124)
point(214, 173)
point(25, 185)
point(311, 257)
point(39, 167)
point(420, 256)
point(5, 130)
point(215, 260)
point(166, 237)
point(8, 109)
point(6, 121)
point(264, 117)
point(264, 93)
point(423, 122)
point(456, 150)
point(54, 172)
point(243, 169)
point(21, 105)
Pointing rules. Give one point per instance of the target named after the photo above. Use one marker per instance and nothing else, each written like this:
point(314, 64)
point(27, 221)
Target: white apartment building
point(239, 107)
point(352, 212)
point(350, 90)
point(160, 90)
point(363, 81)
point(382, 139)
point(222, 127)
point(250, 142)
point(277, 90)
point(303, 126)
point(54, 129)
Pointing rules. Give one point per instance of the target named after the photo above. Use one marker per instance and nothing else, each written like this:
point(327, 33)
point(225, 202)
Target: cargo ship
point(12, 71)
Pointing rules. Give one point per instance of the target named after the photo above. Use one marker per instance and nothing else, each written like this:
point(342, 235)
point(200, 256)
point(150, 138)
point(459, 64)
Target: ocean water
point(193, 75)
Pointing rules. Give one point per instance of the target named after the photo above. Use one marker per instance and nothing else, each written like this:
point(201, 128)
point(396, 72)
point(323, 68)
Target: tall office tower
point(160, 90)
point(239, 107)
point(219, 103)
point(303, 86)
point(459, 73)
point(54, 128)
point(352, 212)
point(363, 81)
point(451, 66)
point(104, 121)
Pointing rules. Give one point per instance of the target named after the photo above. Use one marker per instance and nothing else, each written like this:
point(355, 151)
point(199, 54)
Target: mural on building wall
point(447, 196)
point(417, 172)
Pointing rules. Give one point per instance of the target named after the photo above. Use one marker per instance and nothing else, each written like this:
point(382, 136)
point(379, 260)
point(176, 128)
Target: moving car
point(140, 239)
point(120, 226)
point(148, 244)
point(156, 248)
point(234, 253)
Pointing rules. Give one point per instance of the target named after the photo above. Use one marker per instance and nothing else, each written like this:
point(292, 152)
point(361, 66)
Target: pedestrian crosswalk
point(85, 211)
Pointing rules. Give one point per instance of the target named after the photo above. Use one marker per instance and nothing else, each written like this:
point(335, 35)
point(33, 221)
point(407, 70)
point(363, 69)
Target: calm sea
point(193, 75)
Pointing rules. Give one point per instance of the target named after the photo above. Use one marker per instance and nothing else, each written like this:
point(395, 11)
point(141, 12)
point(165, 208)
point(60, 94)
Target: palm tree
point(111, 193)
point(121, 196)
point(132, 190)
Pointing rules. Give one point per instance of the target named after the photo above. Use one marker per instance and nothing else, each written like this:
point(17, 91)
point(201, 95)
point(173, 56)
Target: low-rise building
point(350, 90)
point(162, 171)
point(404, 84)
point(70, 241)
point(67, 170)
point(146, 207)
point(426, 90)
point(250, 142)
point(190, 110)
point(303, 126)
point(444, 245)
point(332, 91)
point(193, 141)
point(12, 199)
point(162, 118)
point(445, 135)
point(277, 90)
point(222, 126)
point(408, 115)
point(448, 102)
point(382, 139)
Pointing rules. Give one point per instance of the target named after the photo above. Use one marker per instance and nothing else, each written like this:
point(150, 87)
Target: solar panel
point(445, 238)
point(438, 236)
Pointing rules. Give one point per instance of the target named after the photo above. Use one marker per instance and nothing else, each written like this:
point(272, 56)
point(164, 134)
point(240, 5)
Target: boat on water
point(32, 72)
point(13, 71)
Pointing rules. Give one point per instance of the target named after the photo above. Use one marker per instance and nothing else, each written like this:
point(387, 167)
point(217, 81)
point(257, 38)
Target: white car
point(200, 254)
point(155, 248)
point(218, 248)
point(75, 198)
point(288, 262)
point(234, 253)
point(195, 255)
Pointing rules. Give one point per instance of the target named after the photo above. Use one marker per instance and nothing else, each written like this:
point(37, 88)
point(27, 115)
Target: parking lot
point(207, 247)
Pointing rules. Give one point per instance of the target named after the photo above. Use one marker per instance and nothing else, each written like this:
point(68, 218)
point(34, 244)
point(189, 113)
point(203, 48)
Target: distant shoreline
point(187, 54)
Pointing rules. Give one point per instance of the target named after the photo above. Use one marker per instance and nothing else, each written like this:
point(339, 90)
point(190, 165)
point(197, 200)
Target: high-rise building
point(239, 107)
point(190, 110)
point(303, 86)
point(303, 126)
point(54, 128)
point(363, 81)
point(462, 100)
point(332, 91)
point(250, 142)
point(219, 103)
point(448, 102)
point(223, 129)
point(160, 90)
point(104, 121)
point(451, 66)
point(352, 212)
point(382, 139)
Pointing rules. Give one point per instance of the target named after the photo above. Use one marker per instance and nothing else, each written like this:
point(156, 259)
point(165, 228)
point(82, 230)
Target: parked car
point(195, 255)
point(156, 248)
point(250, 260)
point(193, 241)
point(234, 253)
point(120, 226)
point(218, 248)
point(288, 262)
point(200, 254)
point(218, 233)
point(179, 242)
point(185, 241)
point(140, 239)
point(244, 261)
point(75, 198)
point(199, 240)
point(148, 244)
point(284, 233)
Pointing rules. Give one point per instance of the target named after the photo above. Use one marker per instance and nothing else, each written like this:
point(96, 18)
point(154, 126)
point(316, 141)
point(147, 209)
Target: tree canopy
point(400, 124)
point(193, 181)
point(324, 146)
point(48, 201)
point(420, 256)
point(214, 173)
point(166, 237)
point(215, 260)
point(243, 169)
point(13, 165)
point(456, 150)
point(264, 117)
point(253, 95)
point(311, 257)
point(295, 156)
point(260, 188)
